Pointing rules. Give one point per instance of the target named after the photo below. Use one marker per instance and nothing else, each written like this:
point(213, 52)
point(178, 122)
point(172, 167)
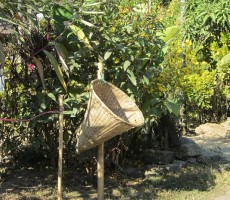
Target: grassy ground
point(195, 181)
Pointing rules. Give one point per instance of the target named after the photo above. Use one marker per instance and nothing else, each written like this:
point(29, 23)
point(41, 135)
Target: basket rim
point(107, 108)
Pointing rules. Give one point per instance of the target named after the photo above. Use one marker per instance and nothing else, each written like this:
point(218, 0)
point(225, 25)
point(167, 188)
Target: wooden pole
point(100, 152)
point(100, 172)
point(149, 5)
point(60, 151)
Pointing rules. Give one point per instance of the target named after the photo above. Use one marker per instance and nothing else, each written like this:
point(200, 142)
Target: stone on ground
point(187, 148)
point(211, 129)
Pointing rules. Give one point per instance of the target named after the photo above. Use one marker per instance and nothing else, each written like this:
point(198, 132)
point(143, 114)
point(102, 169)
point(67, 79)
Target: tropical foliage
point(150, 54)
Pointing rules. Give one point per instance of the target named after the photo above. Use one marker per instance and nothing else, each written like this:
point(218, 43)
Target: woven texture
point(110, 112)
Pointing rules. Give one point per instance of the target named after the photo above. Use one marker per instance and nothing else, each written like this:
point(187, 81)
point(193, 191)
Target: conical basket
point(110, 112)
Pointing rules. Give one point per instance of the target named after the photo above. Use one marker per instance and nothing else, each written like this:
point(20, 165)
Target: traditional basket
point(110, 112)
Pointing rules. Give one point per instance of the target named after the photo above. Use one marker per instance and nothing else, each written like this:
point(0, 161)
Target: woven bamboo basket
point(110, 112)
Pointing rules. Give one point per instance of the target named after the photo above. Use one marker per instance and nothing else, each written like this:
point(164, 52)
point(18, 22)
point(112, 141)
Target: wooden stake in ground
point(100, 152)
point(100, 172)
point(60, 151)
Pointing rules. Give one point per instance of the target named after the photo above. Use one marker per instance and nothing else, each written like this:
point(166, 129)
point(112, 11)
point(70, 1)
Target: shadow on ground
point(41, 182)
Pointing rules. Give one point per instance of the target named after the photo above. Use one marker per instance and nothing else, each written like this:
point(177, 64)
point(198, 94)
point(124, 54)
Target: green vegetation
point(159, 59)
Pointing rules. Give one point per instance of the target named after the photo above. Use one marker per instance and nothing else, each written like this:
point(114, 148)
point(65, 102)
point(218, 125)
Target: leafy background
point(162, 63)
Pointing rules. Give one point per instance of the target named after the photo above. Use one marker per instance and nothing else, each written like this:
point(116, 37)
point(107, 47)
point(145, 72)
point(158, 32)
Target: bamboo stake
point(100, 172)
point(150, 6)
point(100, 152)
point(60, 151)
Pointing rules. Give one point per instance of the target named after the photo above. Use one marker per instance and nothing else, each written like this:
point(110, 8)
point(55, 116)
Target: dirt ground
point(214, 141)
point(40, 182)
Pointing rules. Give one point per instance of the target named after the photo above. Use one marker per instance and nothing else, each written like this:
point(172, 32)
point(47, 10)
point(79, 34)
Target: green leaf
point(201, 15)
point(68, 112)
point(145, 79)
point(87, 23)
point(127, 63)
point(169, 33)
point(100, 59)
point(81, 35)
point(40, 70)
point(8, 20)
point(92, 12)
point(129, 29)
point(62, 12)
point(2, 56)
point(56, 67)
point(205, 19)
point(60, 15)
point(172, 107)
point(141, 8)
point(132, 77)
point(52, 96)
point(43, 106)
point(107, 54)
point(61, 51)
point(225, 60)
point(213, 16)
point(74, 112)
point(92, 4)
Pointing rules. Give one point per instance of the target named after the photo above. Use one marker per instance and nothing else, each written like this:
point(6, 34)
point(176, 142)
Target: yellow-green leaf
point(40, 70)
point(132, 77)
point(81, 35)
point(87, 23)
point(108, 54)
point(169, 34)
point(52, 96)
point(127, 63)
point(92, 12)
point(57, 68)
point(225, 60)
point(61, 54)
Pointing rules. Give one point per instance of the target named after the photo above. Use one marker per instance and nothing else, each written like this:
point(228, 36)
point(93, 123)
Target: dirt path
point(217, 144)
point(225, 196)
